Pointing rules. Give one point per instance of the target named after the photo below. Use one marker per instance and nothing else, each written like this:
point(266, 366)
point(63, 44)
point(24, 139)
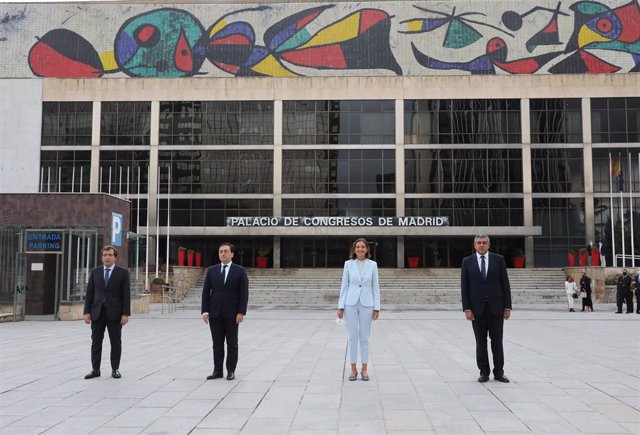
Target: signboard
point(44, 241)
point(116, 229)
point(339, 221)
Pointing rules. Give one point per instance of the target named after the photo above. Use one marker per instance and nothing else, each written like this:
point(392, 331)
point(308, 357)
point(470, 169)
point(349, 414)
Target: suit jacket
point(115, 296)
point(496, 287)
point(363, 286)
point(225, 299)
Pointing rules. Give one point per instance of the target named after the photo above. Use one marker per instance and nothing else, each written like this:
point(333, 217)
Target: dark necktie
point(106, 276)
point(483, 268)
point(224, 268)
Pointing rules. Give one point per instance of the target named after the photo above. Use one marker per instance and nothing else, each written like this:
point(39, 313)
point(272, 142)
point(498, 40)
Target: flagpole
point(158, 224)
point(146, 239)
point(621, 188)
point(613, 239)
point(633, 245)
point(166, 275)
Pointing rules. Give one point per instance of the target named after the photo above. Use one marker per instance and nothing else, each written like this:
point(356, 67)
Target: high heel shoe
point(353, 377)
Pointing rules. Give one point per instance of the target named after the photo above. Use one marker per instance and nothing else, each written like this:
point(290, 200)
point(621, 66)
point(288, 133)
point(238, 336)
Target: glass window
point(339, 207)
point(196, 171)
point(338, 171)
point(463, 171)
point(125, 123)
point(563, 229)
point(557, 170)
point(65, 171)
point(615, 120)
point(462, 121)
point(469, 211)
point(119, 171)
point(212, 212)
point(66, 123)
point(604, 178)
point(556, 120)
point(216, 122)
point(341, 122)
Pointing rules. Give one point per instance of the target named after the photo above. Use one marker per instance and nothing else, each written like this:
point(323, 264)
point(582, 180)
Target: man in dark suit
point(486, 301)
point(107, 305)
point(225, 295)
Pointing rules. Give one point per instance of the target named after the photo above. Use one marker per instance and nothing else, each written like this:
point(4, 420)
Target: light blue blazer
point(363, 286)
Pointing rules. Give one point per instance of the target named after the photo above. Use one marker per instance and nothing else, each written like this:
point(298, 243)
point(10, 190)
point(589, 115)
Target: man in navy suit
point(486, 301)
point(107, 306)
point(225, 295)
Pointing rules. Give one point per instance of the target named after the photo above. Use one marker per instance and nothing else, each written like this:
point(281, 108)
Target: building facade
point(415, 125)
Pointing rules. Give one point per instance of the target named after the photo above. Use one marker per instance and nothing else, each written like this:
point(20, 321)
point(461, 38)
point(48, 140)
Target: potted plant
point(518, 259)
point(582, 257)
point(198, 259)
point(413, 262)
point(182, 251)
point(156, 285)
point(190, 254)
point(262, 260)
point(571, 257)
point(595, 256)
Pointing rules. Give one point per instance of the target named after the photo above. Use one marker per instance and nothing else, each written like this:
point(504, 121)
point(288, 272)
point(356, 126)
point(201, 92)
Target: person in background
point(623, 292)
point(359, 303)
point(585, 292)
point(572, 290)
point(637, 283)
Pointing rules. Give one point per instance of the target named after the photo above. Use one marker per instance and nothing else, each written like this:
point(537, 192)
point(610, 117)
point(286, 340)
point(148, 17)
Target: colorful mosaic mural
point(291, 40)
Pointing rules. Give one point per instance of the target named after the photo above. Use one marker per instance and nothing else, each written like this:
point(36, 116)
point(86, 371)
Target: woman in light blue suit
point(359, 303)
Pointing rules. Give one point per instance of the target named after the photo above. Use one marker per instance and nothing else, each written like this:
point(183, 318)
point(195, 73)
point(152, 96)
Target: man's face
point(482, 246)
point(108, 258)
point(225, 254)
point(624, 271)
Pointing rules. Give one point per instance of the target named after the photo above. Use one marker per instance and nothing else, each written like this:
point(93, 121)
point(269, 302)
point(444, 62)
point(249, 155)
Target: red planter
point(262, 262)
point(198, 259)
point(571, 258)
point(582, 258)
point(518, 262)
point(181, 255)
point(595, 257)
point(413, 262)
point(190, 259)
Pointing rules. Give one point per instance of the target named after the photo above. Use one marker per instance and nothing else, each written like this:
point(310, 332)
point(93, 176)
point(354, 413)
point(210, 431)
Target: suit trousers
point(224, 329)
point(359, 320)
point(97, 336)
point(492, 324)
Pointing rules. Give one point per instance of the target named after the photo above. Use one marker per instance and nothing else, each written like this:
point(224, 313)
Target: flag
point(615, 167)
point(620, 180)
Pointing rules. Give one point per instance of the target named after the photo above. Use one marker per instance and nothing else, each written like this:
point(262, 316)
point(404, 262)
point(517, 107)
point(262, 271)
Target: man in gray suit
point(486, 301)
point(107, 306)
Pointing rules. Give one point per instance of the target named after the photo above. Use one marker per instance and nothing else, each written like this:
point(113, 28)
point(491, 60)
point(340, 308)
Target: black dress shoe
point(231, 376)
point(483, 378)
point(116, 374)
point(618, 312)
point(93, 374)
point(501, 378)
point(214, 375)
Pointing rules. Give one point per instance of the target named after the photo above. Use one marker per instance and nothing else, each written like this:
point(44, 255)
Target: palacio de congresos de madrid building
point(292, 128)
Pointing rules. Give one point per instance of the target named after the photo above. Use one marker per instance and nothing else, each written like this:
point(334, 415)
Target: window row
point(344, 122)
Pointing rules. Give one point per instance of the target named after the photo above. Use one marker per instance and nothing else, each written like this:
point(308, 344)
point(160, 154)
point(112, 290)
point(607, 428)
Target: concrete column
point(94, 181)
point(152, 209)
point(587, 162)
point(277, 158)
point(525, 126)
point(400, 197)
point(276, 252)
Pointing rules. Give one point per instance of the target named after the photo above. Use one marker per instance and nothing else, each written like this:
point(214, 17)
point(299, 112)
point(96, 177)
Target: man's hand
point(205, 318)
point(469, 315)
point(340, 313)
point(506, 314)
point(376, 314)
point(239, 318)
point(87, 318)
point(124, 320)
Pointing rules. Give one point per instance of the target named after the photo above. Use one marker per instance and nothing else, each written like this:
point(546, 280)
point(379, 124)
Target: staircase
point(397, 286)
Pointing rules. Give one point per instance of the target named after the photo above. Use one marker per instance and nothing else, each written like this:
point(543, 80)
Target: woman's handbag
point(583, 295)
point(574, 295)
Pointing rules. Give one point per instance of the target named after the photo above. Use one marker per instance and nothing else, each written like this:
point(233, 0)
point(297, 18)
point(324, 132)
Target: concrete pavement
point(570, 372)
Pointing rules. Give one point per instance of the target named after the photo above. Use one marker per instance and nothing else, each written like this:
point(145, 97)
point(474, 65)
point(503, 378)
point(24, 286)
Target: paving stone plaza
point(570, 373)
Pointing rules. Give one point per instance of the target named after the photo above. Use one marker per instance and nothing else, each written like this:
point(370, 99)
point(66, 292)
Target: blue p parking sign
point(116, 229)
